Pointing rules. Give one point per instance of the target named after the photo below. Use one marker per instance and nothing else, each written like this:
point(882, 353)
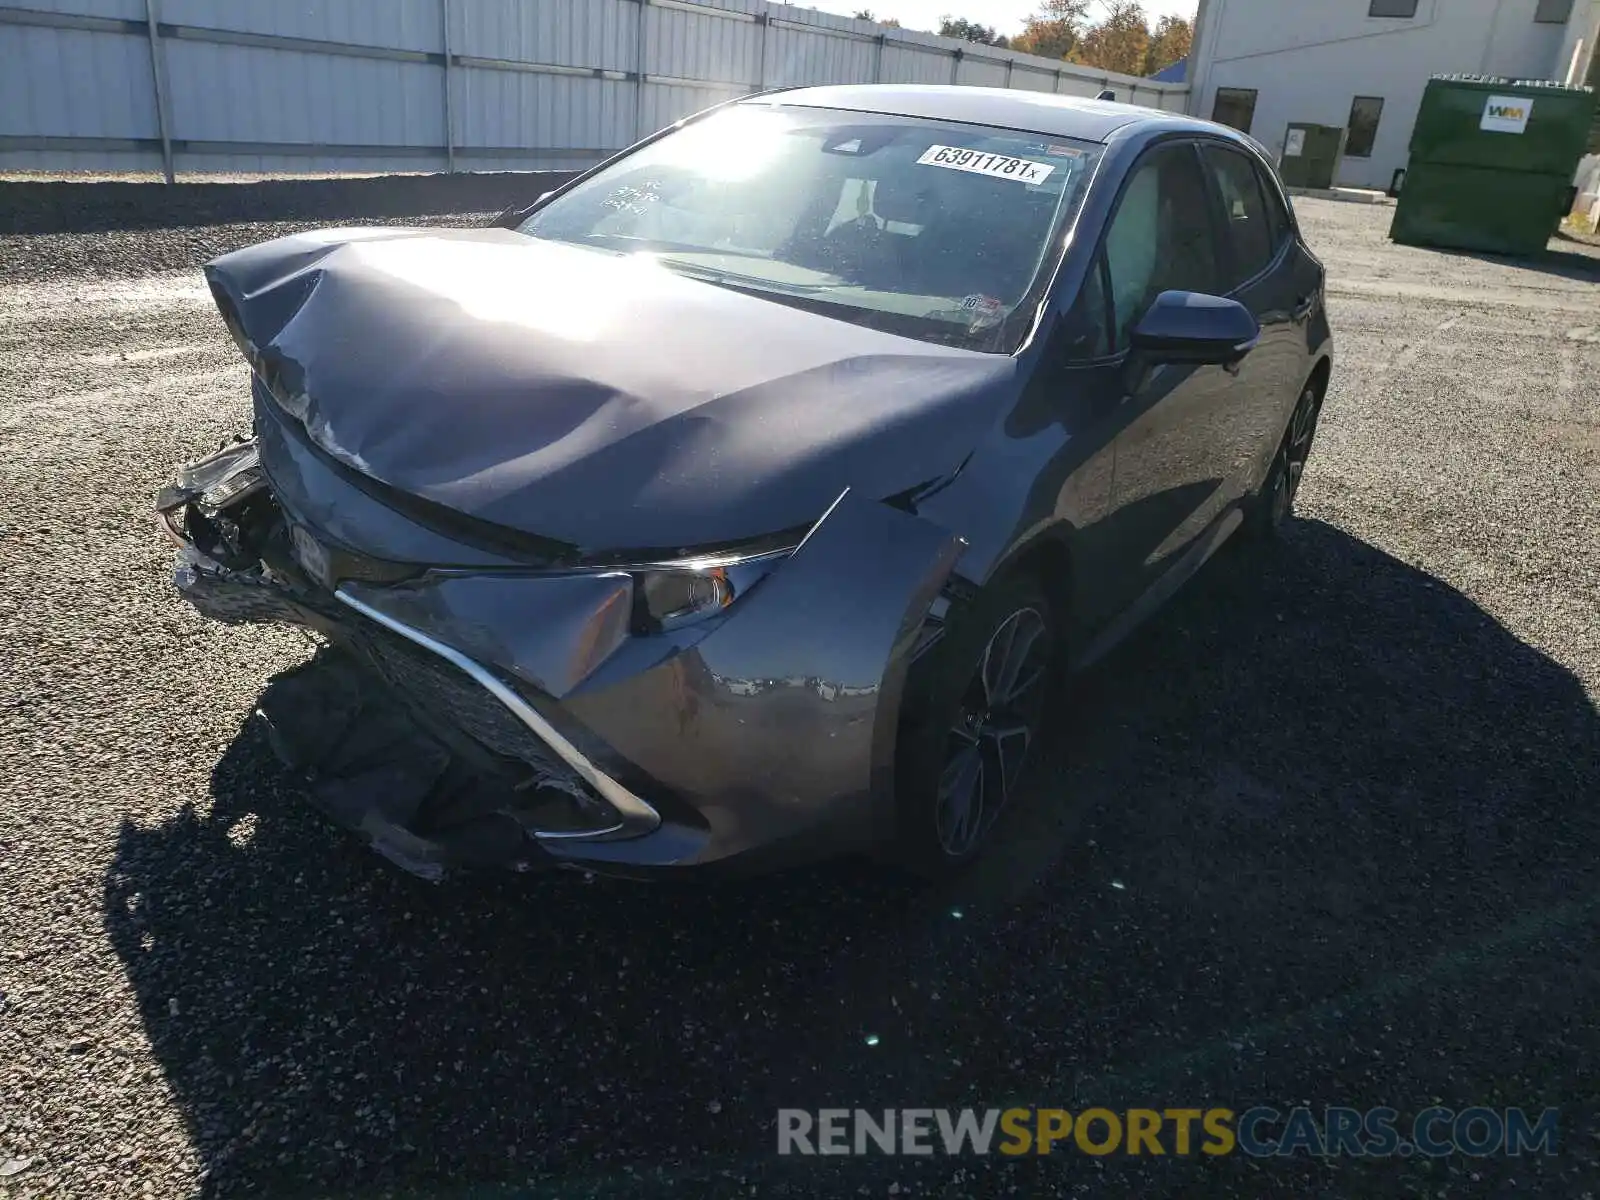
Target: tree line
point(1122, 39)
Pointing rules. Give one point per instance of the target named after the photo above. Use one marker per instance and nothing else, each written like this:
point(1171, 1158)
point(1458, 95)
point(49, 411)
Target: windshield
point(929, 229)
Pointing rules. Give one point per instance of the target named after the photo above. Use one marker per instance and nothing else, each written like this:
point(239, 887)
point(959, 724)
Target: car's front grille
point(442, 691)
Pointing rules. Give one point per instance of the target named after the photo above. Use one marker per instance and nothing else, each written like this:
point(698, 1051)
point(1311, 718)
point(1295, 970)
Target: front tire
point(975, 707)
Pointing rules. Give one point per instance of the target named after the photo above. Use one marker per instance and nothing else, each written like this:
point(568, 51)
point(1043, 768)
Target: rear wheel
point(976, 706)
point(1273, 505)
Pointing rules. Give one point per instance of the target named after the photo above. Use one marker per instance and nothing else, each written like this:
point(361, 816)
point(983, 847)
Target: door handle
point(1303, 308)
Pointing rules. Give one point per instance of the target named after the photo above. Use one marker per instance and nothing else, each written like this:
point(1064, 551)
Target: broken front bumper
point(535, 725)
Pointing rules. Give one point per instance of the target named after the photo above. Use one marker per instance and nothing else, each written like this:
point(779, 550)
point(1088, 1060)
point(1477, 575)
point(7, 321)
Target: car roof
point(1006, 108)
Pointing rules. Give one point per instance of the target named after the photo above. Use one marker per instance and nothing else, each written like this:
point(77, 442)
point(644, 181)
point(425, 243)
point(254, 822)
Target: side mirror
point(1191, 327)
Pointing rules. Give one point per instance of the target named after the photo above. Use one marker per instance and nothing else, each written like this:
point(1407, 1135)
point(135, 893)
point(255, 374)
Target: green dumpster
point(1492, 162)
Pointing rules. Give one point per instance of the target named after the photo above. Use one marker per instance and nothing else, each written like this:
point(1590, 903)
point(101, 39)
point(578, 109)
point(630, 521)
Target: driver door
point(1174, 453)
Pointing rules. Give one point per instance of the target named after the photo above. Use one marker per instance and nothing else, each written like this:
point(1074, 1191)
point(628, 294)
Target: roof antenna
point(1107, 94)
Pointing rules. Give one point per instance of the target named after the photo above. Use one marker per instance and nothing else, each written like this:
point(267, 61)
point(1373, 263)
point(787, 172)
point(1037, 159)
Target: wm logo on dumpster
point(1506, 114)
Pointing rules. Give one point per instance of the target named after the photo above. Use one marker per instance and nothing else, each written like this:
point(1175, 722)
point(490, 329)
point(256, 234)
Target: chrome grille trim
point(638, 816)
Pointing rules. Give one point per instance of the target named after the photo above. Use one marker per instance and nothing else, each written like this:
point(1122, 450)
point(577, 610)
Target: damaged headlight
point(211, 503)
point(673, 596)
point(217, 481)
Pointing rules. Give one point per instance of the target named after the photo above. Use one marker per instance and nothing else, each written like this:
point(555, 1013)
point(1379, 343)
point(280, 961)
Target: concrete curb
point(1346, 195)
point(65, 207)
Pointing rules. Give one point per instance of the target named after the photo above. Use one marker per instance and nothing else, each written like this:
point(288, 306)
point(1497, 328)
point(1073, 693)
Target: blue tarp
point(1174, 73)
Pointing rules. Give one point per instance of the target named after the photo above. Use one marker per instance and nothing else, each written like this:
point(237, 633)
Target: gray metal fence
point(314, 86)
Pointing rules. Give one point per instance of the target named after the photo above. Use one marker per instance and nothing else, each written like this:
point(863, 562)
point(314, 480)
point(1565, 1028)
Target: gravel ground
point(154, 209)
point(1323, 833)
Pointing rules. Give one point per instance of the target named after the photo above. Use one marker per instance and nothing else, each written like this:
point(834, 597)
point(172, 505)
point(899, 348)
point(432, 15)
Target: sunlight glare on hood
point(484, 280)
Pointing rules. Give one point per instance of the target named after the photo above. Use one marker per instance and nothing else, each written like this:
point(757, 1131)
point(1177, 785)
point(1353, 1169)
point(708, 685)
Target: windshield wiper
point(737, 280)
point(810, 298)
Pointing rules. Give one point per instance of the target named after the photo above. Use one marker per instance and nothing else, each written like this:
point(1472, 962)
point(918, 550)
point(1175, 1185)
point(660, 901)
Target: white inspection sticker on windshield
point(1023, 170)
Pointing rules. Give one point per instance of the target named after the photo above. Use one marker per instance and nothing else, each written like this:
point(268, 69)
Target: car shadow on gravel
point(1317, 834)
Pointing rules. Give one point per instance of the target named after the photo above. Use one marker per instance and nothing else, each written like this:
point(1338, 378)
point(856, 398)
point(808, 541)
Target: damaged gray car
point(746, 498)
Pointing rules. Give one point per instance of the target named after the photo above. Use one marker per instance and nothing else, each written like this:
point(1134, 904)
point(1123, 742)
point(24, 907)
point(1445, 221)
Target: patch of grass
point(1579, 225)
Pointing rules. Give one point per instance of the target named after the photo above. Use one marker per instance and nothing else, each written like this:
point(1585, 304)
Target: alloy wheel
point(1296, 450)
point(987, 745)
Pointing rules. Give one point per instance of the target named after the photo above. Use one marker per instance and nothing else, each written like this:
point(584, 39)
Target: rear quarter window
point(1278, 218)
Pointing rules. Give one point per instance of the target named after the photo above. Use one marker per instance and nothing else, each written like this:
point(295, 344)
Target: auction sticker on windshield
point(1000, 166)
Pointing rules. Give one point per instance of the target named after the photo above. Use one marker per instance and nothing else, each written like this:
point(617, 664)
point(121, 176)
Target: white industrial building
point(1362, 64)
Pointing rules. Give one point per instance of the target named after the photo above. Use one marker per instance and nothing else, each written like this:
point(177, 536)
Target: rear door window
point(1251, 241)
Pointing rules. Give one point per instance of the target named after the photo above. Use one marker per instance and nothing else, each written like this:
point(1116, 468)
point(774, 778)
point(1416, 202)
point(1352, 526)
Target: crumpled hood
point(593, 399)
